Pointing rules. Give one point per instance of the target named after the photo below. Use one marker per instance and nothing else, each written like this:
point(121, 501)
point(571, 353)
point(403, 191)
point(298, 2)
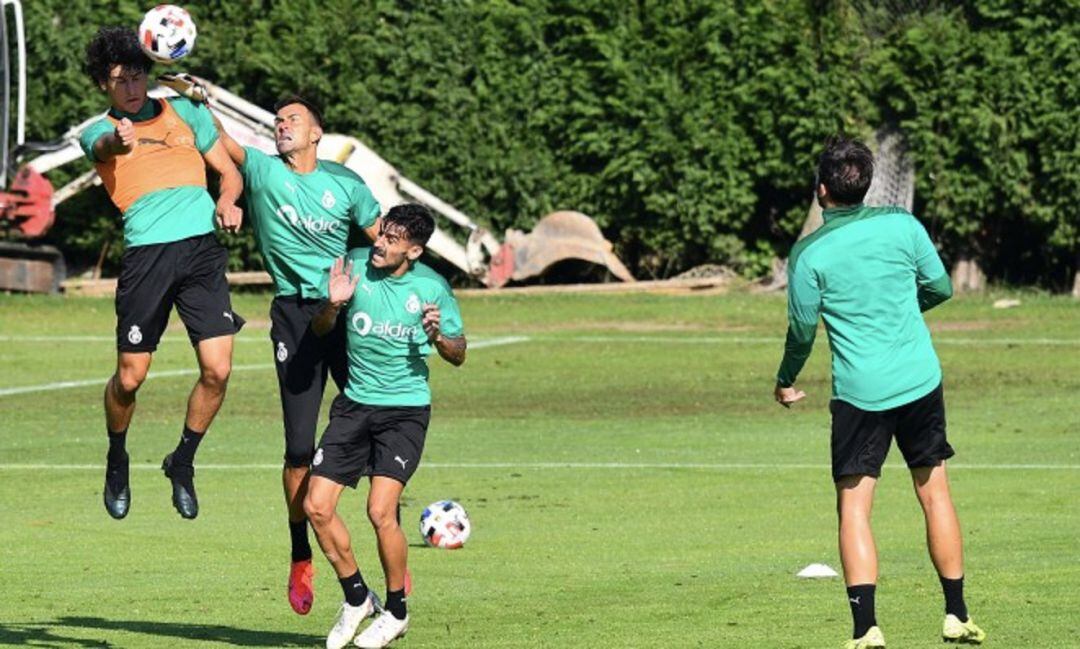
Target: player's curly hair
point(845, 167)
point(113, 46)
point(414, 220)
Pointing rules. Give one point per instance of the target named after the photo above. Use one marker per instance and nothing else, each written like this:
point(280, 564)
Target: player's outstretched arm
point(372, 231)
point(229, 216)
point(236, 152)
point(120, 142)
point(452, 349)
point(340, 290)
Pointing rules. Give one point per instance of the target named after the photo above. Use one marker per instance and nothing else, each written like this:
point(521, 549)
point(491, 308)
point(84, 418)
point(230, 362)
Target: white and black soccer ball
point(445, 524)
point(167, 33)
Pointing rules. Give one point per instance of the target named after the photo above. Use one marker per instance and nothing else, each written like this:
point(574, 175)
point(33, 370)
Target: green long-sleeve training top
point(869, 273)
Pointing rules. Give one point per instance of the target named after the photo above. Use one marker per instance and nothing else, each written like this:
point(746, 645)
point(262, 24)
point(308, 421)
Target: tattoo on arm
point(451, 349)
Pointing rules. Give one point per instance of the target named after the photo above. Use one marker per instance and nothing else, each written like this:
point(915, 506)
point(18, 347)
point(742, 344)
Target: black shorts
point(303, 362)
point(189, 273)
point(861, 438)
point(371, 440)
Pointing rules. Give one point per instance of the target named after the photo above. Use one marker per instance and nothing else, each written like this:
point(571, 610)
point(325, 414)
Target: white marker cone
point(817, 571)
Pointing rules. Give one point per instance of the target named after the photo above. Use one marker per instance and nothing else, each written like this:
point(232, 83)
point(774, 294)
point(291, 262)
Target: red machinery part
point(29, 203)
point(501, 268)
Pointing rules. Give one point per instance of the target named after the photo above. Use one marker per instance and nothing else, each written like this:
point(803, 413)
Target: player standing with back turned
point(869, 272)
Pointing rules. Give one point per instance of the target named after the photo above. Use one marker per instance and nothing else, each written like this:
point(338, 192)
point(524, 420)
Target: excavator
point(28, 205)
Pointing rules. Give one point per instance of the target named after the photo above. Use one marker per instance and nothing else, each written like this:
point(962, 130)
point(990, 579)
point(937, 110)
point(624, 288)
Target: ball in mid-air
point(445, 524)
point(167, 33)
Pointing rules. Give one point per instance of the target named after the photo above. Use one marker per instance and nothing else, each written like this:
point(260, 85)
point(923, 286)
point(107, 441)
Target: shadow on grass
point(51, 634)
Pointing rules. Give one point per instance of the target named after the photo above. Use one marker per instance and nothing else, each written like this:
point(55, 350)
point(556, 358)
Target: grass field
point(631, 482)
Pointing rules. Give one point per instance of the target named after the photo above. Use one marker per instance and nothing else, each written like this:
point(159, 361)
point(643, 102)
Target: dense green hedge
point(687, 128)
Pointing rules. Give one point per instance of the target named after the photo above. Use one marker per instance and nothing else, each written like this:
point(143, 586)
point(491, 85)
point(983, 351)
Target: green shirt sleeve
point(804, 307)
point(92, 134)
point(254, 168)
point(449, 314)
point(365, 209)
point(198, 117)
point(934, 284)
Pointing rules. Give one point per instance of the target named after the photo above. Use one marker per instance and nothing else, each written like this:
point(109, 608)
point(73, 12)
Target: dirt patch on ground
point(693, 290)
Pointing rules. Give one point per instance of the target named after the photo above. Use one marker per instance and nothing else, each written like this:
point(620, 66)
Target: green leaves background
point(687, 128)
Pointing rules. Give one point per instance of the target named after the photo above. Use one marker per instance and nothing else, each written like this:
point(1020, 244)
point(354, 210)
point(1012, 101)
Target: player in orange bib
point(151, 155)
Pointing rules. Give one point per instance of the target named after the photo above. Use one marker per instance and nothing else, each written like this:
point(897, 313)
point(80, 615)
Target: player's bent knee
point(935, 498)
point(382, 516)
point(216, 376)
point(318, 512)
point(127, 381)
point(298, 456)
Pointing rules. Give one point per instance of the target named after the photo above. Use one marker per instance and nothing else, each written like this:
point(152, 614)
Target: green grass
point(697, 548)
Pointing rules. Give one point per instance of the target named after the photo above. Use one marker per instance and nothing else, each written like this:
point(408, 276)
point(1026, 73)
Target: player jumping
point(152, 156)
point(302, 209)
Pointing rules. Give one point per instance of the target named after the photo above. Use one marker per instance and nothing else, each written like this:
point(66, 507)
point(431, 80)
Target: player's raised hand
point(186, 85)
point(229, 216)
point(342, 283)
point(787, 396)
point(431, 321)
point(125, 135)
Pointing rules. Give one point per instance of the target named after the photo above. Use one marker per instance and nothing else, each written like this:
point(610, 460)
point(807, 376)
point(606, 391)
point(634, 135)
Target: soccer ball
point(167, 33)
point(445, 525)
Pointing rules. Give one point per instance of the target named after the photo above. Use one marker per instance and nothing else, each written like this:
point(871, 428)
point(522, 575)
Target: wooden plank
point(106, 287)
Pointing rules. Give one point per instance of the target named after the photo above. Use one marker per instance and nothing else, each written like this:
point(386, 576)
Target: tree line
point(687, 128)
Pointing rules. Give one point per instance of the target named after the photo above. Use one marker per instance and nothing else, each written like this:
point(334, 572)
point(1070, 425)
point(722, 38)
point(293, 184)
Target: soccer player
point(398, 311)
point(152, 156)
point(302, 209)
point(868, 272)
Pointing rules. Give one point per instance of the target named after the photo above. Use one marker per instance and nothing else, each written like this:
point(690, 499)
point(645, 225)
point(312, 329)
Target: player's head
point(844, 172)
point(298, 125)
point(404, 232)
point(119, 67)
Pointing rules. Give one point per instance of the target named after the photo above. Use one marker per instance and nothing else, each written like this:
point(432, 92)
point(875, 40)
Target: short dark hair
point(845, 167)
point(415, 221)
point(113, 46)
point(306, 103)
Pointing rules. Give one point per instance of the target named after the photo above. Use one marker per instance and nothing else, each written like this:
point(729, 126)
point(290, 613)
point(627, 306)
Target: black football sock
point(861, 599)
point(301, 547)
point(117, 450)
point(184, 455)
point(355, 589)
point(954, 597)
point(395, 603)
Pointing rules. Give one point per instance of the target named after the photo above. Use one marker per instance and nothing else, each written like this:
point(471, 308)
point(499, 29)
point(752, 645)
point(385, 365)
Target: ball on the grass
point(445, 524)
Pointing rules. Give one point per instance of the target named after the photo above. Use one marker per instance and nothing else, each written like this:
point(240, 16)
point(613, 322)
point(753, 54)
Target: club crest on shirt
point(328, 199)
point(412, 305)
